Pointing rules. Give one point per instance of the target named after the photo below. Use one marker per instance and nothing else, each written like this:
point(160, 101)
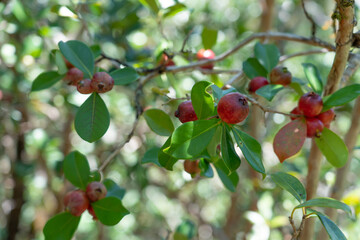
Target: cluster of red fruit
point(101, 82)
point(310, 106)
point(279, 75)
point(77, 201)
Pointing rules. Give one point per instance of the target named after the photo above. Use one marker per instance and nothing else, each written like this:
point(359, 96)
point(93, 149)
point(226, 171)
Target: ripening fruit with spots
point(102, 82)
point(310, 104)
point(233, 108)
point(84, 86)
point(95, 191)
point(186, 112)
point(73, 76)
point(280, 75)
point(76, 202)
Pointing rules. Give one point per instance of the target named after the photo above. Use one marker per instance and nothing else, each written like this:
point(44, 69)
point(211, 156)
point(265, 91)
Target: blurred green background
point(36, 130)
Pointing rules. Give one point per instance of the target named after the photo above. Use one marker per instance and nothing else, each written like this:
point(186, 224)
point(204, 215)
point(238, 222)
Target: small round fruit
point(76, 202)
point(68, 64)
point(313, 127)
point(95, 191)
point(326, 117)
point(92, 212)
point(192, 167)
point(280, 75)
point(84, 86)
point(203, 54)
point(233, 108)
point(310, 104)
point(186, 112)
point(165, 60)
point(297, 111)
point(73, 76)
point(102, 82)
point(256, 83)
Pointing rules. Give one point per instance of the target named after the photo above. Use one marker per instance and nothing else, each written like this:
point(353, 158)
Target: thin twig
point(313, 25)
point(286, 57)
point(103, 56)
point(185, 40)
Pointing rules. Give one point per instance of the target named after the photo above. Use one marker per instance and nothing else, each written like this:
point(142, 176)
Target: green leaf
point(124, 76)
point(45, 80)
point(92, 119)
point(191, 138)
point(206, 169)
point(313, 76)
point(325, 202)
point(109, 210)
point(94, 176)
point(60, 63)
point(113, 190)
point(159, 122)
point(250, 148)
point(165, 159)
point(331, 228)
point(341, 96)
point(61, 226)
point(173, 10)
point(269, 91)
point(297, 88)
point(79, 55)
point(231, 159)
point(201, 100)
point(229, 181)
point(96, 50)
point(290, 184)
point(151, 156)
point(209, 37)
point(290, 139)
point(253, 68)
point(333, 148)
point(77, 169)
point(267, 54)
point(152, 4)
point(185, 231)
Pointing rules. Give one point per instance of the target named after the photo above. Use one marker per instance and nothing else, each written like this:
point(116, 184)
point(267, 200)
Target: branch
point(286, 57)
point(313, 25)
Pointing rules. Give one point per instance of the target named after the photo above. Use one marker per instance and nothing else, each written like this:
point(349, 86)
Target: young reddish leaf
point(290, 139)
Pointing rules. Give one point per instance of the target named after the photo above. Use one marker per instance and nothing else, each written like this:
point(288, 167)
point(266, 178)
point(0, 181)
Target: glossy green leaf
point(325, 202)
point(297, 88)
point(290, 184)
point(109, 210)
point(209, 37)
point(331, 228)
point(61, 227)
point(229, 181)
point(269, 91)
point(290, 139)
point(60, 63)
point(185, 231)
point(333, 148)
point(201, 100)
point(124, 76)
point(250, 148)
point(159, 122)
point(94, 176)
point(96, 50)
point(253, 68)
point(113, 190)
point(173, 10)
point(77, 169)
point(206, 169)
point(151, 156)
point(342, 96)
point(45, 80)
point(313, 76)
point(165, 159)
point(80, 55)
point(92, 119)
point(191, 138)
point(152, 4)
point(267, 54)
point(230, 157)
